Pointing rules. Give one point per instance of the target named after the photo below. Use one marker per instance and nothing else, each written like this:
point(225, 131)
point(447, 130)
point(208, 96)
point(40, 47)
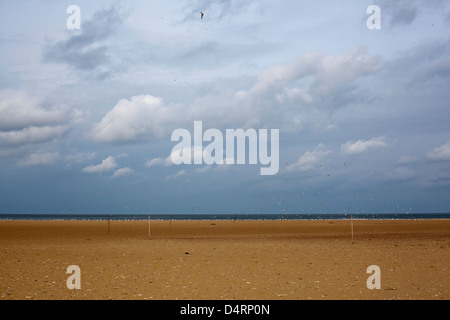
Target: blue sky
point(86, 115)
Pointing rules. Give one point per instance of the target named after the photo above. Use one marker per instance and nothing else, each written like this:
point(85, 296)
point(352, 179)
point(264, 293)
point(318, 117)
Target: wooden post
point(149, 227)
point(351, 221)
point(109, 224)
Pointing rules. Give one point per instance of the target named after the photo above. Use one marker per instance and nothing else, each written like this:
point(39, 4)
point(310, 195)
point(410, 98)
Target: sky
point(87, 115)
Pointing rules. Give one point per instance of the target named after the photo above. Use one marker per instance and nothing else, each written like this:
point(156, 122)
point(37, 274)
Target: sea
point(156, 217)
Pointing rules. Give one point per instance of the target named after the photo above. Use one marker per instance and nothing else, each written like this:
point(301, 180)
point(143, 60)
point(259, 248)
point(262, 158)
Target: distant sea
point(337, 216)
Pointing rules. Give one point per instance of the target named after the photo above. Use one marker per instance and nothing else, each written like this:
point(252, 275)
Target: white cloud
point(106, 165)
point(176, 175)
point(309, 160)
point(289, 96)
point(159, 162)
point(195, 152)
point(141, 118)
point(292, 96)
point(31, 135)
point(26, 119)
point(362, 146)
point(440, 154)
point(315, 77)
point(122, 172)
point(46, 158)
point(122, 155)
point(19, 110)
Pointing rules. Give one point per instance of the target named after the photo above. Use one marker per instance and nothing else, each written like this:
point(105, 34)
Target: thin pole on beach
point(149, 227)
point(109, 224)
point(351, 221)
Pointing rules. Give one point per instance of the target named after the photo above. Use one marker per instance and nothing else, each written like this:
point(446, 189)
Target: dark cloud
point(424, 64)
point(86, 51)
point(403, 13)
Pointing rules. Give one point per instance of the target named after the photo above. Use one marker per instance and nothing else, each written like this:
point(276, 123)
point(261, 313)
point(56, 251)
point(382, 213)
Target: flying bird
point(201, 15)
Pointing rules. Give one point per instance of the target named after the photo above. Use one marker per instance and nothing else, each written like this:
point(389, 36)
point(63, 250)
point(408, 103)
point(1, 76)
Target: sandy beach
point(213, 260)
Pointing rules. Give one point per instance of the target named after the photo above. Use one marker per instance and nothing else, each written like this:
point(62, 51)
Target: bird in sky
point(201, 15)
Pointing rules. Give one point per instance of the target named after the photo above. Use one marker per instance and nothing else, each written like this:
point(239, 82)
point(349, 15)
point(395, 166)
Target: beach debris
point(186, 252)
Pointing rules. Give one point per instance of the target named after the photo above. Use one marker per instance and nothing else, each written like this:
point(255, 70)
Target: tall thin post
point(351, 221)
point(109, 224)
point(149, 227)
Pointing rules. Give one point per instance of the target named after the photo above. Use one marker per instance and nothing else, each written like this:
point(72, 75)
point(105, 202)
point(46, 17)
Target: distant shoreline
point(225, 217)
point(224, 220)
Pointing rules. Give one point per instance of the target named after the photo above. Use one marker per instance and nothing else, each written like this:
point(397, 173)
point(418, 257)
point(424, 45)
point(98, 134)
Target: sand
point(214, 260)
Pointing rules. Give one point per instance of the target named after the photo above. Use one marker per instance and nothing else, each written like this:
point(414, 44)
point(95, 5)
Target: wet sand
point(213, 260)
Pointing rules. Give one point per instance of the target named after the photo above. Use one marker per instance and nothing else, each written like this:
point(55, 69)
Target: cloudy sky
point(86, 115)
